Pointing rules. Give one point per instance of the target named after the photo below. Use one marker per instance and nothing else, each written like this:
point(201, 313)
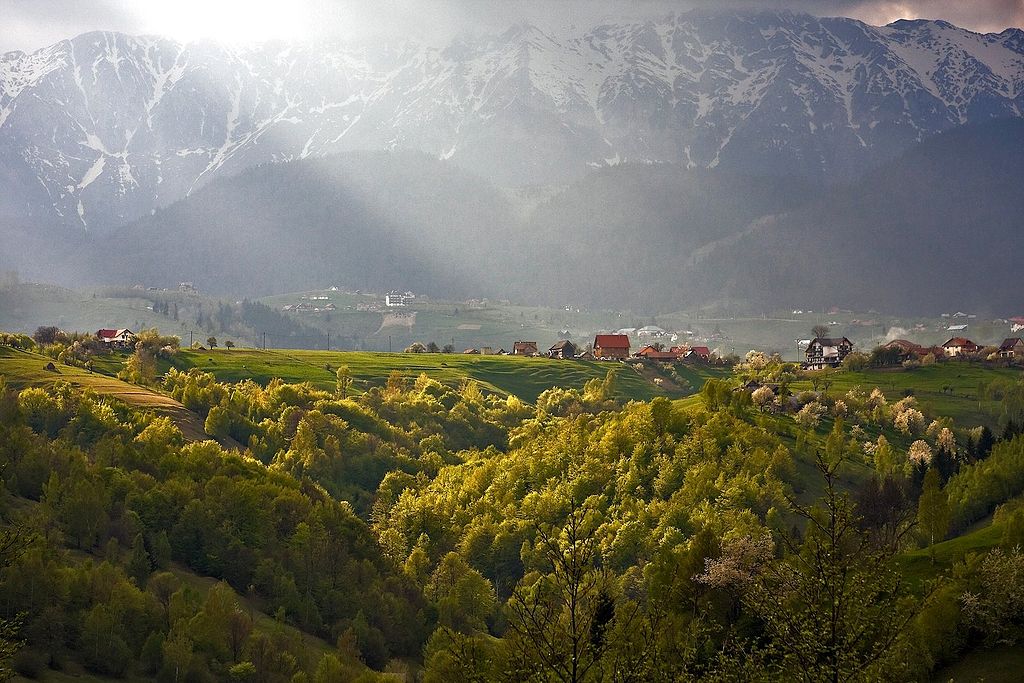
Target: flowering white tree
point(910, 421)
point(810, 414)
point(996, 608)
point(946, 440)
point(839, 408)
point(762, 397)
point(920, 453)
point(741, 561)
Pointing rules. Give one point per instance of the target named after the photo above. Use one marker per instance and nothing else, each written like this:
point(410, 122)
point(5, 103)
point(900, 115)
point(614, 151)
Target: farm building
point(1012, 347)
point(651, 353)
point(563, 349)
point(524, 348)
point(611, 346)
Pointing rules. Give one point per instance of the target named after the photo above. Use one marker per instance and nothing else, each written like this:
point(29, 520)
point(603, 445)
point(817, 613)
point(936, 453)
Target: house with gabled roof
point(122, 338)
point(959, 346)
point(524, 348)
point(1012, 347)
point(899, 350)
point(827, 352)
point(698, 353)
point(563, 350)
point(611, 346)
point(651, 352)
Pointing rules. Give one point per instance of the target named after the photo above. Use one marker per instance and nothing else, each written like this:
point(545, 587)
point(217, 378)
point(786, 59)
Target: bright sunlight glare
point(231, 21)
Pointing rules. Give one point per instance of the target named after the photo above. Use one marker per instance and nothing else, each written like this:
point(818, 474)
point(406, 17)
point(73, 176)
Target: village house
point(702, 353)
point(900, 350)
point(652, 353)
point(524, 348)
point(1012, 347)
point(564, 350)
point(121, 339)
point(187, 288)
point(611, 346)
point(959, 346)
point(827, 352)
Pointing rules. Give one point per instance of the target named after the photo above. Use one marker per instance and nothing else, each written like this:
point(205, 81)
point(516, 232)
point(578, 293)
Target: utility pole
point(328, 340)
point(389, 343)
point(190, 339)
point(264, 341)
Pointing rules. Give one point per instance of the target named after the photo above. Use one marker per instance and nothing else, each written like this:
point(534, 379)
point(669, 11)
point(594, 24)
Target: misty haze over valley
point(697, 158)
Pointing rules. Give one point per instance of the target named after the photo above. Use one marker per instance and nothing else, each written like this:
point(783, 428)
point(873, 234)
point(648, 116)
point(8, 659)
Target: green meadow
point(526, 378)
point(944, 389)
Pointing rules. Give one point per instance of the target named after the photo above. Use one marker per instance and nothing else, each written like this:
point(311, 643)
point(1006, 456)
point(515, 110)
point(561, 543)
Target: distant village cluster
point(604, 347)
point(825, 352)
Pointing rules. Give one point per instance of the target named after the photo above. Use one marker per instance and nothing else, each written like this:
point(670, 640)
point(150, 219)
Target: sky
point(30, 24)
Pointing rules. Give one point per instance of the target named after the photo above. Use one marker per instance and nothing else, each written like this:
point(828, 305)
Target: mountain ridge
point(933, 230)
point(102, 129)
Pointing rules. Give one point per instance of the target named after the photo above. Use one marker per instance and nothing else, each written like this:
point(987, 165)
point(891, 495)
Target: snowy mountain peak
point(106, 127)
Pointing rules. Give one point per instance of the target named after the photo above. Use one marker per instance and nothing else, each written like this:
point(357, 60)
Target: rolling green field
point(944, 389)
point(526, 378)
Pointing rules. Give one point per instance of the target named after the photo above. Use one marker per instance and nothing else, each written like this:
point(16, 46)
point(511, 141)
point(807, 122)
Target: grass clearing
point(917, 565)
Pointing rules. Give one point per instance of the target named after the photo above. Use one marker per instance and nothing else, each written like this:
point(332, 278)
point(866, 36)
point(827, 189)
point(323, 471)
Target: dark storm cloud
point(29, 24)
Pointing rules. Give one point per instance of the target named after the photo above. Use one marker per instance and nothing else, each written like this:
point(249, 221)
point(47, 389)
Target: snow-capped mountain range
point(103, 128)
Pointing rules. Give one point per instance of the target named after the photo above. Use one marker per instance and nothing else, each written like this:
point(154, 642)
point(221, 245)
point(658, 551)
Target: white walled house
point(827, 352)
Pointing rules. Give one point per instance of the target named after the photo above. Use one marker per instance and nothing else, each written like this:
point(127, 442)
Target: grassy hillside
point(527, 378)
point(943, 389)
point(23, 369)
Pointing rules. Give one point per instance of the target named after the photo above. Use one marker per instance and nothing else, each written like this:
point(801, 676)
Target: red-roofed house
point(651, 353)
point(700, 352)
point(123, 337)
point(959, 346)
point(611, 346)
